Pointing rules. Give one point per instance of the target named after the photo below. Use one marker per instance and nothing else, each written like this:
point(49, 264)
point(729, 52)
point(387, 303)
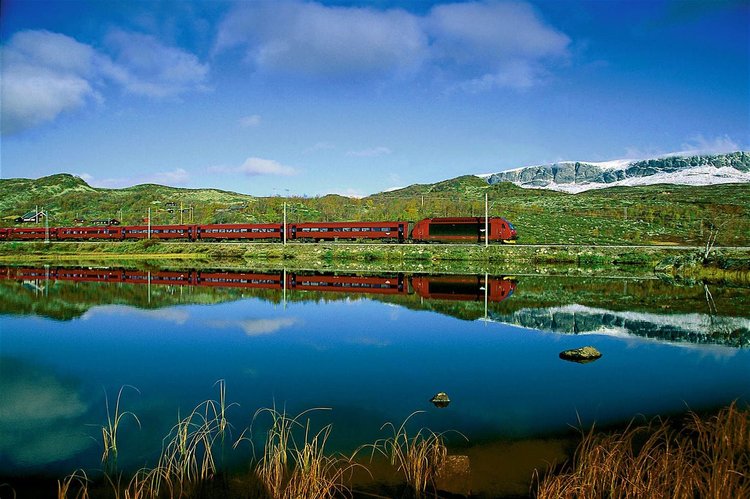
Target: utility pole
point(180, 212)
point(46, 226)
point(284, 222)
point(486, 295)
point(121, 220)
point(486, 221)
point(149, 225)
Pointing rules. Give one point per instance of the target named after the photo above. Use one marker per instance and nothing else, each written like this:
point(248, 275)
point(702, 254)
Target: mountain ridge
point(579, 176)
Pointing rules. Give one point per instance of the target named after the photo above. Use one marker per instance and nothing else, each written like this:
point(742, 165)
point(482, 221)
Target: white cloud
point(349, 192)
point(45, 74)
point(319, 146)
point(145, 66)
point(486, 44)
point(176, 177)
point(323, 41)
point(698, 144)
point(695, 145)
point(250, 121)
point(517, 74)
point(496, 44)
point(370, 153)
point(486, 33)
point(256, 166)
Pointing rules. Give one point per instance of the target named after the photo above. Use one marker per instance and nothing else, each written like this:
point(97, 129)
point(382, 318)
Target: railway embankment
point(731, 264)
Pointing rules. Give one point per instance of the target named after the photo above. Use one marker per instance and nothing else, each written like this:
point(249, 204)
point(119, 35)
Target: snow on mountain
point(576, 176)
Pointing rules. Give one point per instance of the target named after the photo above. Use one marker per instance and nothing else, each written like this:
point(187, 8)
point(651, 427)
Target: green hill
point(662, 214)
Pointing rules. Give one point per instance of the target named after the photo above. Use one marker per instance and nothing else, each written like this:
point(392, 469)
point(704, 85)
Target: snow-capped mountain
point(578, 176)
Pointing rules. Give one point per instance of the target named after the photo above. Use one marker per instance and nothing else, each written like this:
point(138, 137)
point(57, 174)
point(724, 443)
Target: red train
point(455, 229)
point(436, 287)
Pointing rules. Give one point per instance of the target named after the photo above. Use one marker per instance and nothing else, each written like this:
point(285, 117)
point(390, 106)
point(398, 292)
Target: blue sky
point(314, 97)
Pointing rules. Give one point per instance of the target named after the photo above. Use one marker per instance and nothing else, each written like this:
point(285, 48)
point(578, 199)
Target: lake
point(370, 348)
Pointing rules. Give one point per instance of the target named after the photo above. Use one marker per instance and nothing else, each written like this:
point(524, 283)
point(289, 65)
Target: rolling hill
point(648, 214)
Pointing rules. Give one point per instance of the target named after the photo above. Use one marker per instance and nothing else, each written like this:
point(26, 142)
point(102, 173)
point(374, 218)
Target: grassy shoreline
point(726, 264)
point(687, 455)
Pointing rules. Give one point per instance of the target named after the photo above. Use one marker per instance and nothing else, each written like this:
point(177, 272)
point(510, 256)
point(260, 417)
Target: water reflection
point(41, 415)
point(687, 328)
point(374, 348)
point(38, 281)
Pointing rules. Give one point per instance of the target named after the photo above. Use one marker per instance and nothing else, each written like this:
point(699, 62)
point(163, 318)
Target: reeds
point(109, 432)
point(187, 456)
point(420, 457)
point(294, 464)
point(704, 458)
point(78, 481)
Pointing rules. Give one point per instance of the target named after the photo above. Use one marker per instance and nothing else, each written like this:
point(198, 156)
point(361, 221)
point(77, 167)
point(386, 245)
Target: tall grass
point(294, 463)
point(187, 456)
point(420, 457)
point(109, 432)
point(78, 481)
point(704, 458)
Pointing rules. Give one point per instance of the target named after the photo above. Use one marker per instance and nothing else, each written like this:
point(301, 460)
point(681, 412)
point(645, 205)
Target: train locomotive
point(441, 230)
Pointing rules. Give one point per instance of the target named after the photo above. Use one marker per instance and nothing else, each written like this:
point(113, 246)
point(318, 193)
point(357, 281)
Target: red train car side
point(66, 233)
point(462, 229)
point(329, 231)
point(156, 231)
point(239, 231)
point(31, 233)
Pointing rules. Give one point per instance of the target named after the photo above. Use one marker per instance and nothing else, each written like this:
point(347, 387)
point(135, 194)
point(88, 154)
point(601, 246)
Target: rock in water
point(581, 355)
point(441, 400)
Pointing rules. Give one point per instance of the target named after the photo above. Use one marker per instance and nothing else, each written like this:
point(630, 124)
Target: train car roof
point(458, 219)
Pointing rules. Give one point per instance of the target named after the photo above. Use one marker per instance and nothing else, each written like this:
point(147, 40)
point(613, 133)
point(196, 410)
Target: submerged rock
point(454, 475)
point(441, 400)
point(581, 355)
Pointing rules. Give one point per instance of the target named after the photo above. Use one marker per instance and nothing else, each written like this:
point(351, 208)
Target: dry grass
point(294, 464)
point(187, 457)
point(705, 458)
point(420, 457)
point(77, 481)
point(109, 432)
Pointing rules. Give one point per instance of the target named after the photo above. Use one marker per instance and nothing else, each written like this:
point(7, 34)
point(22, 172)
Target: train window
point(454, 229)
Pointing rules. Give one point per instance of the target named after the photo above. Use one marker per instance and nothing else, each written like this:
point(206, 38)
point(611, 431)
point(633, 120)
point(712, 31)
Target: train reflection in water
point(435, 287)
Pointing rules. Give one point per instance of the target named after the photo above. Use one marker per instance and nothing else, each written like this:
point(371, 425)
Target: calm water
point(373, 349)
